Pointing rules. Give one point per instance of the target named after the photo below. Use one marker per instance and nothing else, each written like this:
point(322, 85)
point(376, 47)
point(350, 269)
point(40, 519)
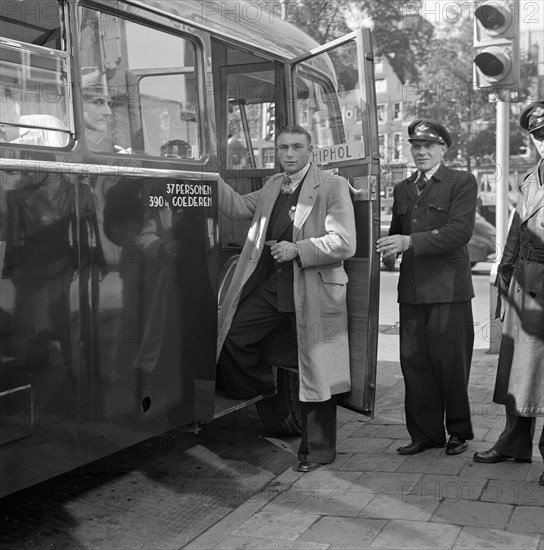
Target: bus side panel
point(40, 328)
point(105, 340)
point(155, 308)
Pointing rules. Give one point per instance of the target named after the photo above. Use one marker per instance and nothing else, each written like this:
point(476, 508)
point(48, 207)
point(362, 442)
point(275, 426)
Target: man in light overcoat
point(291, 271)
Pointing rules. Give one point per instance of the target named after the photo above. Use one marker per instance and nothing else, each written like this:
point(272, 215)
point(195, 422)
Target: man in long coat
point(520, 374)
point(291, 271)
point(433, 220)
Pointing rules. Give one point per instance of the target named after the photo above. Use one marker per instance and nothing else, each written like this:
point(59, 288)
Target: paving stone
point(373, 462)
point(392, 483)
point(510, 469)
point(333, 503)
point(527, 519)
point(339, 461)
point(479, 434)
point(394, 431)
point(475, 537)
point(476, 514)
point(369, 429)
point(327, 480)
point(449, 488)
point(516, 492)
point(434, 461)
point(275, 526)
point(347, 430)
point(364, 445)
point(408, 507)
point(249, 543)
point(536, 469)
point(345, 533)
point(406, 535)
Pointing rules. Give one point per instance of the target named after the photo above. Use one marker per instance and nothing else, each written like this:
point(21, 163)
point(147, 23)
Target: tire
point(281, 413)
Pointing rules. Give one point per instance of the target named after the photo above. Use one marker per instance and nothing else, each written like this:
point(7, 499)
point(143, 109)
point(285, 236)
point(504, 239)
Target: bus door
point(247, 109)
point(340, 115)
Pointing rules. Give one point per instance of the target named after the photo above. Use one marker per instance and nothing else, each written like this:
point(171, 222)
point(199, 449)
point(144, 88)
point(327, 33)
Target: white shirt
point(297, 177)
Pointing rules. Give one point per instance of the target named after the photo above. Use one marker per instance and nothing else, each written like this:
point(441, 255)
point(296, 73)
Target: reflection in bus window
point(148, 80)
point(330, 111)
point(34, 88)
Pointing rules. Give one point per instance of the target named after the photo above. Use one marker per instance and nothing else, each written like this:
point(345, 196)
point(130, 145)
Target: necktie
point(421, 182)
point(286, 185)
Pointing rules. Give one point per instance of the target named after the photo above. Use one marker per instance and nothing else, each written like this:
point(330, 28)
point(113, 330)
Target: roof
point(250, 23)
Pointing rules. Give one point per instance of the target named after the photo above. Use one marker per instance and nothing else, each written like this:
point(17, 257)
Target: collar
point(297, 177)
point(429, 173)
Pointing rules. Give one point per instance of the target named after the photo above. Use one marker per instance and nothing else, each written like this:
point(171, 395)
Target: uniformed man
point(520, 376)
point(433, 220)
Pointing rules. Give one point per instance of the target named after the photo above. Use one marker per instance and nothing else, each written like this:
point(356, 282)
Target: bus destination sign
point(341, 152)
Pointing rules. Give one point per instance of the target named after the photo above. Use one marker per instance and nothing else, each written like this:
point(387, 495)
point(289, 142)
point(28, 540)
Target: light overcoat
point(520, 374)
point(324, 234)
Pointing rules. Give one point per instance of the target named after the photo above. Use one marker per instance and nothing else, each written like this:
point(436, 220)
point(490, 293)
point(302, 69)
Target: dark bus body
point(105, 339)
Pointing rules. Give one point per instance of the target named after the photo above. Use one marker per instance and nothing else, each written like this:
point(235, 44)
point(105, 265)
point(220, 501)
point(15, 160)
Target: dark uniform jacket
point(440, 220)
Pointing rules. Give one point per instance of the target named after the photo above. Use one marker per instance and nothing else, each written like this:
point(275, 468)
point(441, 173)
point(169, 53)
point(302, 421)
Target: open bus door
point(341, 117)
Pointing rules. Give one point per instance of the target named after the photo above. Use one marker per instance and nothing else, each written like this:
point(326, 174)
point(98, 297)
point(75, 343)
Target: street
point(166, 491)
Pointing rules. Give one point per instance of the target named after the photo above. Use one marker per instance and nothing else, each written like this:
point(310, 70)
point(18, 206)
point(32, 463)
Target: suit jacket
point(324, 234)
point(440, 221)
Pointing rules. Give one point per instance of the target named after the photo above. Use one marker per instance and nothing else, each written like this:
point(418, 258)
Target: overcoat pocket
point(332, 291)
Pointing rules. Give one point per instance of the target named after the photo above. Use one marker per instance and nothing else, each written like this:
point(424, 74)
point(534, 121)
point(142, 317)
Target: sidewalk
point(372, 497)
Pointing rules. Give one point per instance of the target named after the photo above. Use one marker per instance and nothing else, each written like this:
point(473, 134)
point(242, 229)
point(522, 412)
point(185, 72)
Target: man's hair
point(295, 129)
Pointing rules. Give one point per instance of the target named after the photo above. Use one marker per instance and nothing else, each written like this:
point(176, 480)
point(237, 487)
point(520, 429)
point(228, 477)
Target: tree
point(402, 39)
point(450, 97)
point(400, 35)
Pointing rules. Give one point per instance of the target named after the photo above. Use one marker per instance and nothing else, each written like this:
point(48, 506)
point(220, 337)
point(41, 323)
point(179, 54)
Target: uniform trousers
point(436, 342)
point(516, 440)
point(247, 373)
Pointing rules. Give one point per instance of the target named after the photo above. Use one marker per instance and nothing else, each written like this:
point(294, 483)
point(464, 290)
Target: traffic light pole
point(501, 206)
point(503, 170)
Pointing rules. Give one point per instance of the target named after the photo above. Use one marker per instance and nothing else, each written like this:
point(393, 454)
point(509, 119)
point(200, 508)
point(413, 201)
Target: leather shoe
point(308, 466)
point(541, 480)
point(456, 445)
point(492, 456)
point(417, 447)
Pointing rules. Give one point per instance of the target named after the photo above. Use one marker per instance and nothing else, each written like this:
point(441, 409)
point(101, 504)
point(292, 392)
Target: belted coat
point(520, 375)
point(324, 234)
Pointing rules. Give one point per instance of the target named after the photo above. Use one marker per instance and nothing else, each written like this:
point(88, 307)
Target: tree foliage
point(434, 62)
point(447, 94)
point(400, 35)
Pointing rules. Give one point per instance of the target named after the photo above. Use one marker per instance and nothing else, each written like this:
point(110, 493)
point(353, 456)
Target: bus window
point(251, 118)
point(148, 83)
point(330, 111)
point(34, 91)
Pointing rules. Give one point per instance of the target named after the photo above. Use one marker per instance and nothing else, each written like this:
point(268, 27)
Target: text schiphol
point(338, 153)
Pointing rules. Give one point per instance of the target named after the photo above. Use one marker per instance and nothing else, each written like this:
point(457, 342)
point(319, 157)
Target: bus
point(117, 111)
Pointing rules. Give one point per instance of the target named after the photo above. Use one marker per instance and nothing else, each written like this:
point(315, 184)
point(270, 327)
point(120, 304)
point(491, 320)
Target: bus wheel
point(281, 413)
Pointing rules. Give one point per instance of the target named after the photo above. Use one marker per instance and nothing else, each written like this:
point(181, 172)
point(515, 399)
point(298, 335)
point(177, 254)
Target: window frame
point(67, 84)
point(199, 66)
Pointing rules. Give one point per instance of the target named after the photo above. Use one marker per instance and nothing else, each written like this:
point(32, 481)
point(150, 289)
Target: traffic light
point(496, 44)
